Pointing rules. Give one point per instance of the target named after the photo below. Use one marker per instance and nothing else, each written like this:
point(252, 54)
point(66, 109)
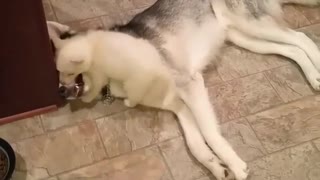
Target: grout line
point(117, 156)
point(165, 162)
point(41, 122)
point(111, 158)
point(307, 26)
point(314, 145)
point(80, 167)
point(263, 146)
point(274, 89)
point(53, 11)
point(272, 107)
point(295, 145)
point(248, 75)
point(96, 16)
point(46, 132)
point(76, 123)
point(100, 138)
point(299, 11)
point(287, 148)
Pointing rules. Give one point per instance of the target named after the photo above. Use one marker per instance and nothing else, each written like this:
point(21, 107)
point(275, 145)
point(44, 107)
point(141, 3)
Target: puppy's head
point(73, 59)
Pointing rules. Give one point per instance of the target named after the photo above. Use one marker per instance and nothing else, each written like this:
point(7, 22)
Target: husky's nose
point(63, 92)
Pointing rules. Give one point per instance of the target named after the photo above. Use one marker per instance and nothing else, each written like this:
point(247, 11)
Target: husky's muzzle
point(73, 91)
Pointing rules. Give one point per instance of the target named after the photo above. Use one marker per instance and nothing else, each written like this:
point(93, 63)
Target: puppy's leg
point(289, 51)
point(136, 87)
point(95, 87)
point(198, 147)
point(195, 95)
point(267, 29)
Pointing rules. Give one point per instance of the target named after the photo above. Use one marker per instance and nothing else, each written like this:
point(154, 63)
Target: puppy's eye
point(70, 74)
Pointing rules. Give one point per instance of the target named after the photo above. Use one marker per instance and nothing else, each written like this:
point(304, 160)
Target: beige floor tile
point(122, 18)
point(67, 115)
point(211, 76)
point(289, 124)
point(312, 14)
point(207, 178)
point(86, 24)
point(100, 109)
point(182, 164)
point(77, 111)
point(317, 143)
point(235, 62)
point(146, 164)
point(241, 97)
point(289, 82)
point(126, 4)
point(21, 129)
point(143, 3)
point(243, 140)
point(50, 16)
point(52, 178)
point(59, 151)
point(73, 10)
point(136, 128)
point(294, 17)
point(298, 163)
point(111, 21)
point(34, 175)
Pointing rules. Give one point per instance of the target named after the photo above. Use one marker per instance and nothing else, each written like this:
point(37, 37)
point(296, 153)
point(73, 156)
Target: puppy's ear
point(55, 30)
point(59, 28)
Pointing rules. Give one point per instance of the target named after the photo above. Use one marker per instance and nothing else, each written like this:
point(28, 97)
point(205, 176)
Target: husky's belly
point(193, 45)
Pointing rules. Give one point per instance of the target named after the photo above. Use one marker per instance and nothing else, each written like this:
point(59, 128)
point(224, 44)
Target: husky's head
point(73, 59)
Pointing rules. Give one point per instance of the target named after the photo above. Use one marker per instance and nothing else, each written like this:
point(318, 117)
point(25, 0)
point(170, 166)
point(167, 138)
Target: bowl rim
point(9, 152)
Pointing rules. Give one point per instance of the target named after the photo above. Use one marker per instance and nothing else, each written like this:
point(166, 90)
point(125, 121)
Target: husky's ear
point(55, 30)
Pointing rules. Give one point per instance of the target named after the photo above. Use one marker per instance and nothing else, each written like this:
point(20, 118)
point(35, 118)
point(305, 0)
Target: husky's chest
point(193, 44)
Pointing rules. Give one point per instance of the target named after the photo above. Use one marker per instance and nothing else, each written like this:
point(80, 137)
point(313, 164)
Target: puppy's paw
point(129, 103)
point(87, 99)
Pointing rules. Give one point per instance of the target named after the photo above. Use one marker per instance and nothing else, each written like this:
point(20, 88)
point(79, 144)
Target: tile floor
point(268, 112)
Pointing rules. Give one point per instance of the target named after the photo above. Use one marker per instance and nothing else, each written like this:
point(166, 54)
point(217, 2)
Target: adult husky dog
point(157, 58)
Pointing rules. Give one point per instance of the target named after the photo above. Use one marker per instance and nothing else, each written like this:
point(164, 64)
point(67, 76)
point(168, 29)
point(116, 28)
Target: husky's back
point(184, 31)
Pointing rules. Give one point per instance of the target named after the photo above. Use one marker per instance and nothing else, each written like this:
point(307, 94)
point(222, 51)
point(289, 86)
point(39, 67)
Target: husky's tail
point(302, 2)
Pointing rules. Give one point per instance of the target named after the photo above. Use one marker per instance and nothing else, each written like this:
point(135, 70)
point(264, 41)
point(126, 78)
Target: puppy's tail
point(302, 2)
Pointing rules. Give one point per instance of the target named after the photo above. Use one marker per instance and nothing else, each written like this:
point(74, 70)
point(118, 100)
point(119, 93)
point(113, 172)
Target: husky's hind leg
point(302, 2)
point(198, 147)
point(267, 47)
point(267, 29)
point(195, 95)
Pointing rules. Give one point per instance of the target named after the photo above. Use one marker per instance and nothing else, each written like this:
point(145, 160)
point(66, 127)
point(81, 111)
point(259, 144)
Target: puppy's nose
point(63, 92)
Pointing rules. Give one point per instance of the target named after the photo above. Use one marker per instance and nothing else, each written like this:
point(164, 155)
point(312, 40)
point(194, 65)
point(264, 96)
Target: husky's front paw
point(314, 80)
point(129, 103)
point(240, 170)
point(226, 174)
